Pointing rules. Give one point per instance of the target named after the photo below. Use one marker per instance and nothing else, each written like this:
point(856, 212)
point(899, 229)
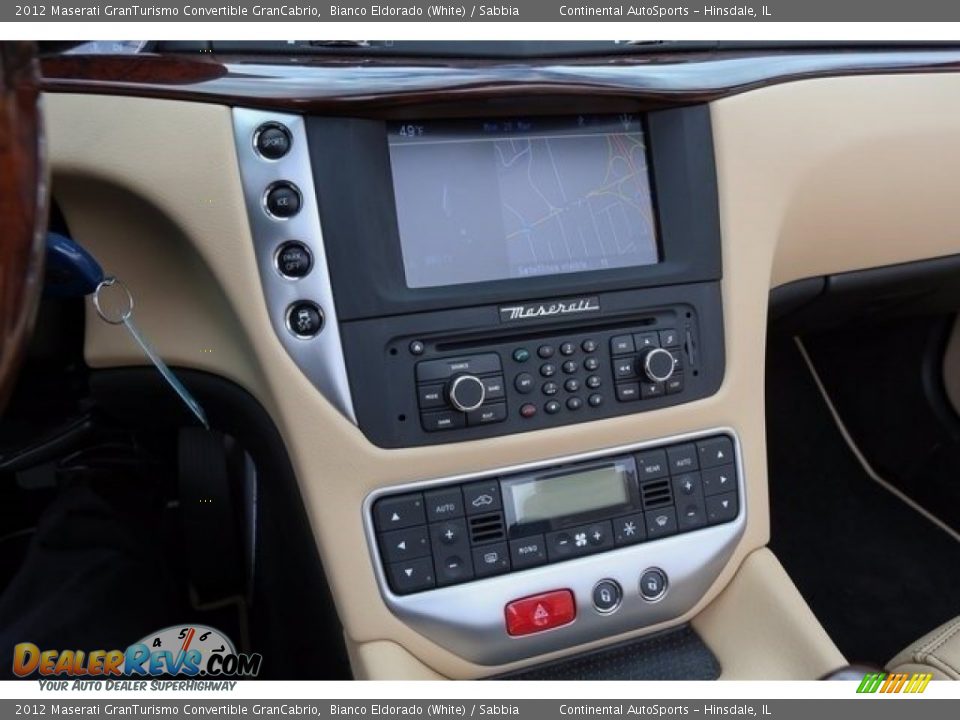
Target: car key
point(120, 312)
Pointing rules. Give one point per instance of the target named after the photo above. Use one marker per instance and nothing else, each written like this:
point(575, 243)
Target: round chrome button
point(304, 319)
point(466, 393)
point(607, 596)
point(653, 584)
point(658, 365)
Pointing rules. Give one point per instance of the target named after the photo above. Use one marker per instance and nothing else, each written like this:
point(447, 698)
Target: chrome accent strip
point(319, 357)
point(468, 619)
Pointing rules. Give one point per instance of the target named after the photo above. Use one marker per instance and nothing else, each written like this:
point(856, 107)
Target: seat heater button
point(540, 612)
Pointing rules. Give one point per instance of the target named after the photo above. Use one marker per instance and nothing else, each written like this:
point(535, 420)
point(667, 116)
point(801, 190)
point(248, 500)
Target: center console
point(444, 279)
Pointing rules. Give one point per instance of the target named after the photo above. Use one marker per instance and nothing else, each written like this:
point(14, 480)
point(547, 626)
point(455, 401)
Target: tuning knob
point(466, 392)
point(658, 365)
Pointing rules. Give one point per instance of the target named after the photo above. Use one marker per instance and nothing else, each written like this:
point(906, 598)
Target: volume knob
point(466, 392)
point(658, 365)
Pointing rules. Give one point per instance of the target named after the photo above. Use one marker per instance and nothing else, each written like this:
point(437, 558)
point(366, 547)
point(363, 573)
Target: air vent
point(656, 494)
point(486, 528)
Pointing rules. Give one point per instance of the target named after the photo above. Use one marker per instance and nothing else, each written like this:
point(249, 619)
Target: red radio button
point(540, 612)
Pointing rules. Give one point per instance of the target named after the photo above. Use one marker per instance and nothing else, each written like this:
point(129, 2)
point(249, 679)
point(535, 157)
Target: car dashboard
point(509, 315)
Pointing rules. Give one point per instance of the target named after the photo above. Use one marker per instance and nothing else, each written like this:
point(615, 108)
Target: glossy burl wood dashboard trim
point(394, 87)
point(22, 204)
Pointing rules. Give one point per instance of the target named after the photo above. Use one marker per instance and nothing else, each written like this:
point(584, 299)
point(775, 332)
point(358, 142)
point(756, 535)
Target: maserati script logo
point(530, 311)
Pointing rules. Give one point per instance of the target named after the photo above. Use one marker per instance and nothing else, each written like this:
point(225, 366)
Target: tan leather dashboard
point(814, 176)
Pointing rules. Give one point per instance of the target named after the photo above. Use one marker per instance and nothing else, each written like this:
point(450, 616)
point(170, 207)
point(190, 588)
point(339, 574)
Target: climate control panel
point(584, 546)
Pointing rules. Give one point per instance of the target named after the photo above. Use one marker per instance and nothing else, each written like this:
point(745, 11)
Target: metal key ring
point(125, 315)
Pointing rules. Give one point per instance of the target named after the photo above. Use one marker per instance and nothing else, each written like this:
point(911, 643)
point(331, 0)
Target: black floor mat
point(876, 573)
point(886, 383)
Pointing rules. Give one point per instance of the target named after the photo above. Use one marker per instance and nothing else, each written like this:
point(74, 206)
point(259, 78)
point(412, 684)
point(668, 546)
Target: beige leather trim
point(937, 652)
point(384, 660)
point(839, 174)
point(760, 628)
point(815, 176)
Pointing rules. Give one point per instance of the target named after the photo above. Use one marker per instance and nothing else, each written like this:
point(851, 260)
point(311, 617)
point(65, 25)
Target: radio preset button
point(606, 596)
point(593, 382)
point(568, 348)
point(527, 552)
point(443, 420)
point(552, 407)
point(570, 367)
point(481, 497)
point(574, 403)
point(653, 584)
point(572, 385)
point(548, 369)
point(550, 388)
point(595, 400)
point(545, 351)
point(491, 559)
point(589, 346)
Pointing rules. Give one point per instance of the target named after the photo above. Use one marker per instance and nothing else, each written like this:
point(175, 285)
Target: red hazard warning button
point(540, 612)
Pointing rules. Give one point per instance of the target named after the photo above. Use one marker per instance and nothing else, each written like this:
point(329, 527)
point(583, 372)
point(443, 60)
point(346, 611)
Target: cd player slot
point(527, 336)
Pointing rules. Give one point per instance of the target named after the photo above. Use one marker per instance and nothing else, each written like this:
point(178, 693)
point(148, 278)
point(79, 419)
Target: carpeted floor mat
point(876, 573)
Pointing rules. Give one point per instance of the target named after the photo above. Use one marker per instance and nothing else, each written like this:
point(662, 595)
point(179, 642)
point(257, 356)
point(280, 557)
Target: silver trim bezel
point(468, 619)
point(319, 357)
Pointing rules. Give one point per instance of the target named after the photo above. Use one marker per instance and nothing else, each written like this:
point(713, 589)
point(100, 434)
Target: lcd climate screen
point(486, 200)
point(538, 498)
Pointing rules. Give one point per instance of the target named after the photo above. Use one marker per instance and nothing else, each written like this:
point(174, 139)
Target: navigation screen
point(491, 200)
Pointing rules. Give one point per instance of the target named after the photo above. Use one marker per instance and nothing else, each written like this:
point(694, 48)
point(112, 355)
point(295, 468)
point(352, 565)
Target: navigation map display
point(497, 199)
